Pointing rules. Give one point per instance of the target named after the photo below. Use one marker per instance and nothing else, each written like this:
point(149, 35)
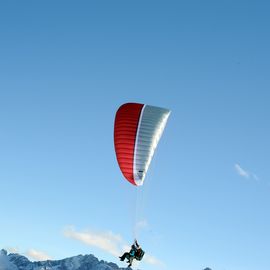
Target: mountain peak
point(3, 252)
point(14, 261)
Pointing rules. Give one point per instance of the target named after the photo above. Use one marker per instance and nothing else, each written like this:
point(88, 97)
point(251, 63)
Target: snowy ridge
point(15, 261)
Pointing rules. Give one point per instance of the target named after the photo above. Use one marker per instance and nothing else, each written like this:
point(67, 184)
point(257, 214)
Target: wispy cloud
point(109, 242)
point(32, 253)
point(241, 171)
point(37, 255)
point(244, 173)
point(255, 177)
point(142, 224)
point(153, 261)
point(106, 241)
point(12, 249)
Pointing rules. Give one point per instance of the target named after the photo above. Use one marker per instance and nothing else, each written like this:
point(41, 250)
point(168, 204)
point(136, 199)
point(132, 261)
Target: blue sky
point(67, 66)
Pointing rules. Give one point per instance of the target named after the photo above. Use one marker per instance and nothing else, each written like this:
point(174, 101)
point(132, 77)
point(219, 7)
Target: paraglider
point(137, 131)
point(135, 252)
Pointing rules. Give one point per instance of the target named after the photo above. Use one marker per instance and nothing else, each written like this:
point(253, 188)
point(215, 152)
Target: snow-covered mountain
point(15, 261)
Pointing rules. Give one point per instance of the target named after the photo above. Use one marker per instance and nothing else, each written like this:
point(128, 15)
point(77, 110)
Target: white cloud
point(142, 224)
point(245, 173)
point(32, 253)
point(241, 171)
point(254, 176)
point(153, 261)
point(12, 249)
point(106, 241)
point(37, 255)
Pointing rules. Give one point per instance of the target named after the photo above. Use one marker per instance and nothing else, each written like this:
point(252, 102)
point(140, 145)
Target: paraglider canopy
point(137, 131)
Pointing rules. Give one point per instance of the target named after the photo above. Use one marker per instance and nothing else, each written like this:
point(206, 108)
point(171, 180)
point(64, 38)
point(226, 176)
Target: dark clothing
point(127, 256)
point(139, 254)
